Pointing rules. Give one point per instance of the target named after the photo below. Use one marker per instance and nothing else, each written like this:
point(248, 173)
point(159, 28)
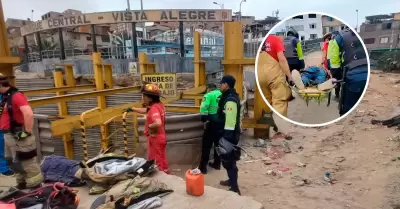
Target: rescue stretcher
point(317, 93)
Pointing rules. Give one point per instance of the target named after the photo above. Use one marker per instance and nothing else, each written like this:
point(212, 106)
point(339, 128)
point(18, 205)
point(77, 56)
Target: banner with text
point(204, 15)
point(165, 81)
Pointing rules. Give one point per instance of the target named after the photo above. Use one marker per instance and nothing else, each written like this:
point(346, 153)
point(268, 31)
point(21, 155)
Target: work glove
point(21, 135)
point(128, 110)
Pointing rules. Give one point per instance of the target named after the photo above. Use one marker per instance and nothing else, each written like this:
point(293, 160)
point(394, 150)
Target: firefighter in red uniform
point(154, 125)
point(16, 122)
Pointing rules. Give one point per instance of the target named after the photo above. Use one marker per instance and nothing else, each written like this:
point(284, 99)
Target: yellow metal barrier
point(233, 65)
point(62, 126)
point(199, 67)
point(83, 133)
point(6, 60)
point(145, 65)
point(63, 111)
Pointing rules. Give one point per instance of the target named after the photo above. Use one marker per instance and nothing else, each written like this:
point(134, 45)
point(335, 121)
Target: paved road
point(313, 113)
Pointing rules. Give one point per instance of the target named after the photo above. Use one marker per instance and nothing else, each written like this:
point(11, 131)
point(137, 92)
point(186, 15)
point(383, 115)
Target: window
point(296, 27)
point(88, 38)
point(369, 40)
point(298, 17)
point(386, 26)
point(312, 15)
point(313, 26)
point(330, 19)
point(313, 36)
point(384, 40)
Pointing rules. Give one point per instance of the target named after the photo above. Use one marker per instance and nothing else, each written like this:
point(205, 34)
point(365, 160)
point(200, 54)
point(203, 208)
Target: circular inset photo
point(312, 69)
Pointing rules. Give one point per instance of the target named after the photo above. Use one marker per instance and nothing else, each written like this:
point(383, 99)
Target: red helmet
point(328, 35)
point(151, 89)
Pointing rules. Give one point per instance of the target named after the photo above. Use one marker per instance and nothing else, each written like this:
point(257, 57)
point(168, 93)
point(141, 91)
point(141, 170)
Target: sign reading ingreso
point(166, 82)
point(205, 15)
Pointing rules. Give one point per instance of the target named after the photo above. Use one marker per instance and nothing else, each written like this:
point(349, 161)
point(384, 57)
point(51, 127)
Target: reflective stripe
point(335, 66)
point(231, 112)
point(334, 54)
point(299, 51)
point(229, 128)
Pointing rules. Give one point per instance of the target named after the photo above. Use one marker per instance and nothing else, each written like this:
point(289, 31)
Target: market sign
point(166, 82)
point(205, 15)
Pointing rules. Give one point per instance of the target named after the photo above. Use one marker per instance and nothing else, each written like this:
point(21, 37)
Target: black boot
point(235, 190)
point(225, 183)
point(203, 169)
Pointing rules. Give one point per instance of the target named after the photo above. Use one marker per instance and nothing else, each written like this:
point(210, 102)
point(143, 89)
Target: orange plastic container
point(194, 184)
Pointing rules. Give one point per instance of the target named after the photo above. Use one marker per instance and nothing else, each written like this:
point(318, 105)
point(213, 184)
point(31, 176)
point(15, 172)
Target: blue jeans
point(356, 80)
point(3, 162)
point(313, 76)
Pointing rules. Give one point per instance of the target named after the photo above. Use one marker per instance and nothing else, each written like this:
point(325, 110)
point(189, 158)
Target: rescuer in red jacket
point(154, 126)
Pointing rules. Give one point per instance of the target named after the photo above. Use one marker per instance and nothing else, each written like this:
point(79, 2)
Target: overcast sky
point(344, 9)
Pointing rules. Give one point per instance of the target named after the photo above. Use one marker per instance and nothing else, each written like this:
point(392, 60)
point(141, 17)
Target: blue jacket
point(59, 169)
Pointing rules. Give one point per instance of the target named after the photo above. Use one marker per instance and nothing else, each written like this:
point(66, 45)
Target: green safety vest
point(209, 104)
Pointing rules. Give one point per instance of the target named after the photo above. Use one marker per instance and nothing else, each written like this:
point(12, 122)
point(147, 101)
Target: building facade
point(381, 31)
point(308, 26)
point(330, 24)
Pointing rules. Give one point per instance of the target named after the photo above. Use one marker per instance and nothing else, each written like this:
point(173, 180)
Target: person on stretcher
point(311, 77)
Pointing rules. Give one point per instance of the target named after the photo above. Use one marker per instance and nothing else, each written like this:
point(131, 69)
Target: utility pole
point(143, 24)
point(357, 21)
point(240, 10)
point(126, 26)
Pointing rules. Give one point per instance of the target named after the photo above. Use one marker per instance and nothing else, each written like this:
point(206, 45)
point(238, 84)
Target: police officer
point(348, 51)
point(229, 128)
point(208, 112)
point(16, 121)
point(293, 50)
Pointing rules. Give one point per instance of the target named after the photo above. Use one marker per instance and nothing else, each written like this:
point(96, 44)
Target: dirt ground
point(360, 156)
point(313, 113)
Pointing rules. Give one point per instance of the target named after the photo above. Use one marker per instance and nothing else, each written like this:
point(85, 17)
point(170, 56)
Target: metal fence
point(184, 130)
point(164, 63)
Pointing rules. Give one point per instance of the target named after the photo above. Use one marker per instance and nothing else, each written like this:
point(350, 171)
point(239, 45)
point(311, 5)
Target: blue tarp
point(313, 76)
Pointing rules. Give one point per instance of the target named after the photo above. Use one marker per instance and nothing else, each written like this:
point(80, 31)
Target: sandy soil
point(360, 156)
point(313, 113)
